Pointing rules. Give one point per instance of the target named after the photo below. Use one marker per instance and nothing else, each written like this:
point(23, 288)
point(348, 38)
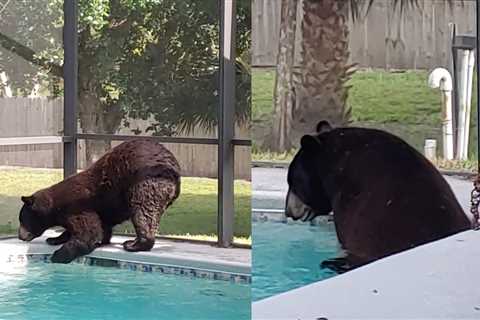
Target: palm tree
point(321, 90)
point(325, 66)
point(283, 90)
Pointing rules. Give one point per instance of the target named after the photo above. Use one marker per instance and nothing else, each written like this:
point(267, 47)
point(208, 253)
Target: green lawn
point(398, 102)
point(193, 214)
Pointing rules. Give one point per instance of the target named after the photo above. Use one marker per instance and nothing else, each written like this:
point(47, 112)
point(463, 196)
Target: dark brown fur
point(386, 197)
point(136, 180)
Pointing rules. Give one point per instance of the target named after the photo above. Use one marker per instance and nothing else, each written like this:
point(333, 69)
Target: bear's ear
point(28, 200)
point(309, 142)
point(323, 126)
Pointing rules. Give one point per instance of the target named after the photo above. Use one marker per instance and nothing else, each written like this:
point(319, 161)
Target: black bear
point(137, 180)
point(385, 196)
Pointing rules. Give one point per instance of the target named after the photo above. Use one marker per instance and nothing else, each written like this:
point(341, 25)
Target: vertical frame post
point(70, 74)
point(226, 126)
point(477, 67)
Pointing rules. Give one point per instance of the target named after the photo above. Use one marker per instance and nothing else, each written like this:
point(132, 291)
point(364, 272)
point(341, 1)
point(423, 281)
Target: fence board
point(383, 39)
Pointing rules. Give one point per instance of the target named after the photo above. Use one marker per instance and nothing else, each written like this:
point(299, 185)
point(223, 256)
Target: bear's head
point(35, 216)
point(306, 196)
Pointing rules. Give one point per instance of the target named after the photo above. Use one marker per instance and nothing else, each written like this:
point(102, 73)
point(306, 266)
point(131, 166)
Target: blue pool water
point(288, 255)
point(76, 291)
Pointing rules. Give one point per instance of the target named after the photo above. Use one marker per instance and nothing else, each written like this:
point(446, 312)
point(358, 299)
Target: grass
point(192, 216)
point(401, 103)
point(262, 93)
point(269, 156)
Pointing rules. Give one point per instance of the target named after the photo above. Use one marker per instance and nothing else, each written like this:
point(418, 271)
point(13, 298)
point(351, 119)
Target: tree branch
point(29, 55)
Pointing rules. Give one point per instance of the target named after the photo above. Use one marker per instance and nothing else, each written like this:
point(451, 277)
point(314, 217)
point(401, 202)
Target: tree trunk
point(322, 91)
point(95, 117)
point(284, 97)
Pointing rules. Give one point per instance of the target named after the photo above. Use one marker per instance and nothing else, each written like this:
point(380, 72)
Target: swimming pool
point(39, 290)
point(288, 255)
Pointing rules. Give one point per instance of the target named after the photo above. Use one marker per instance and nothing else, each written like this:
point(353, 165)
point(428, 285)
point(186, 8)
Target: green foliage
point(142, 58)
point(401, 103)
point(39, 34)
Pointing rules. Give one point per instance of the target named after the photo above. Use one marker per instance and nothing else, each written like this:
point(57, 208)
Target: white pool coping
point(165, 252)
point(440, 280)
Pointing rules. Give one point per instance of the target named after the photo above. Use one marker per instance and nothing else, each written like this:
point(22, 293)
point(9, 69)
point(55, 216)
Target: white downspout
point(468, 102)
point(441, 78)
point(466, 63)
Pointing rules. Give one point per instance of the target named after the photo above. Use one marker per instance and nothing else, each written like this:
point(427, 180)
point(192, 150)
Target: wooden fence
point(40, 116)
point(420, 39)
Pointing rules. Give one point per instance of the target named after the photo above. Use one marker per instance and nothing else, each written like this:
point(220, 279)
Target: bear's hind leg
point(86, 235)
point(61, 239)
point(148, 200)
point(145, 220)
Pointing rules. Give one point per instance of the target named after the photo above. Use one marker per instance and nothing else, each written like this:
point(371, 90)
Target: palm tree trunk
point(322, 91)
point(284, 91)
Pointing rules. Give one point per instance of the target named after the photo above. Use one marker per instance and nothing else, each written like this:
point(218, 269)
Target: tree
point(322, 91)
point(325, 69)
point(137, 59)
point(283, 96)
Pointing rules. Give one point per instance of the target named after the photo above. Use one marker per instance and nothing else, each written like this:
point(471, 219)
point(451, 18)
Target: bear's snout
point(295, 208)
point(24, 234)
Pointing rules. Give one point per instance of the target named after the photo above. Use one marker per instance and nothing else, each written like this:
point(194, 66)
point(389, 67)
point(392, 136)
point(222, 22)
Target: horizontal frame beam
point(242, 142)
point(184, 140)
point(37, 140)
point(116, 137)
point(20, 141)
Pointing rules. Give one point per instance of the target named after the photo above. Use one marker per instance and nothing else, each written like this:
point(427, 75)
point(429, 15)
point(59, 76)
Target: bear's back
point(378, 154)
point(134, 160)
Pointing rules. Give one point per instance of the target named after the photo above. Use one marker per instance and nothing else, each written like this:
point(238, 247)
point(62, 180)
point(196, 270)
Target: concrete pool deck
point(434, 281)
point(175, 253)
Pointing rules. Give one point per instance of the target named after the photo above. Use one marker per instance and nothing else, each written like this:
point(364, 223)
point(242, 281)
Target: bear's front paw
point(61, 239)
point(138, 245)
point(62, 256)
point(58, 240)
point(338, 265)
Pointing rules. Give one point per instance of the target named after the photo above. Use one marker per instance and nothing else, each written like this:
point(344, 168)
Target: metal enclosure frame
point(225, 142)
point(225, 139)
point(477, 69)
